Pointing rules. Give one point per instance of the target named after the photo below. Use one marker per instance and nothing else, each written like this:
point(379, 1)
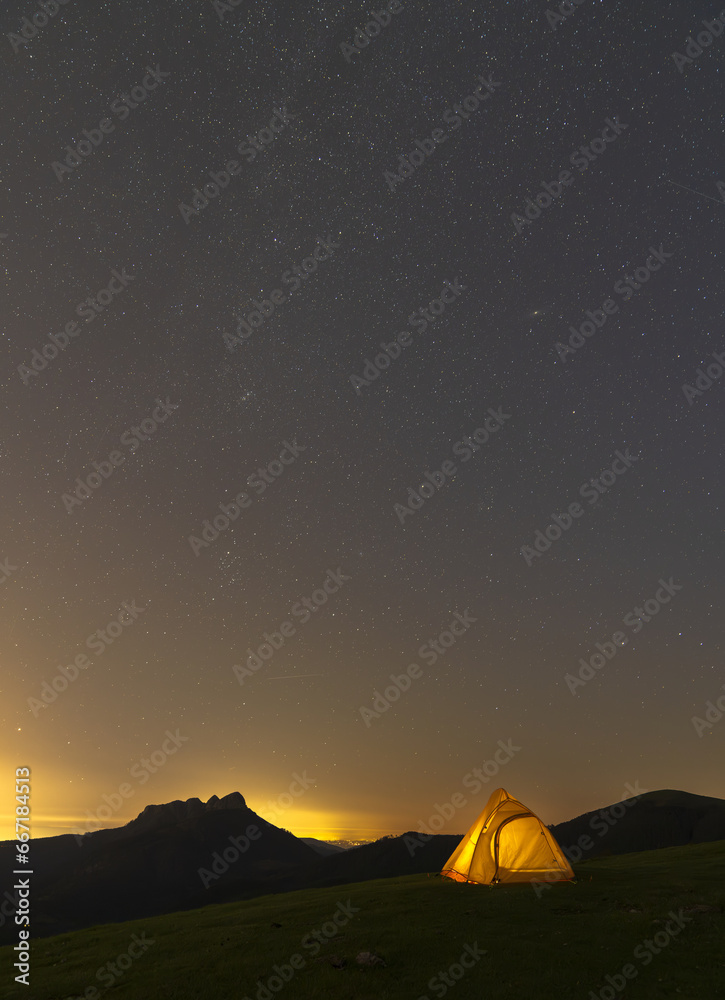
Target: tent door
point(498, 834)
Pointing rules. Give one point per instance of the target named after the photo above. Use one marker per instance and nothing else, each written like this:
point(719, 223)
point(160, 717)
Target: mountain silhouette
point(665, 818)
point(152, 865)
point(178, 811)
point(184, 854)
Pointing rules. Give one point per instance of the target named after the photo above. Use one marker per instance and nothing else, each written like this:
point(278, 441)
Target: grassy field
point(559, 943)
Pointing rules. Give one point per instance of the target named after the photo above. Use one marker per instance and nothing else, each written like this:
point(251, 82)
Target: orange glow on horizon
point(301, 823)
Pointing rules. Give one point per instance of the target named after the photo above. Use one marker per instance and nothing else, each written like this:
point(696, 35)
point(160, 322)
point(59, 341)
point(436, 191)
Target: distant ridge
point(321, 846)
point(665, 818)
point(152, 864)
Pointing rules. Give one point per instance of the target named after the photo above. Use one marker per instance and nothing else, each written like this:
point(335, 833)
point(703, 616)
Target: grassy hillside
point(666, 818)
point(559, 944)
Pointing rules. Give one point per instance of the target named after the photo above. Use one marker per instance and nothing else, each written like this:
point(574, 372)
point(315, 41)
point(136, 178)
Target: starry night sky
point(162, 337)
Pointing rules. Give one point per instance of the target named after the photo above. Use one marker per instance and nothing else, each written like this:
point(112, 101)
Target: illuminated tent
point(507, 843)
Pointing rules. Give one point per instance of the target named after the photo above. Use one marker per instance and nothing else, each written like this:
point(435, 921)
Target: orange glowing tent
point(507, 843)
